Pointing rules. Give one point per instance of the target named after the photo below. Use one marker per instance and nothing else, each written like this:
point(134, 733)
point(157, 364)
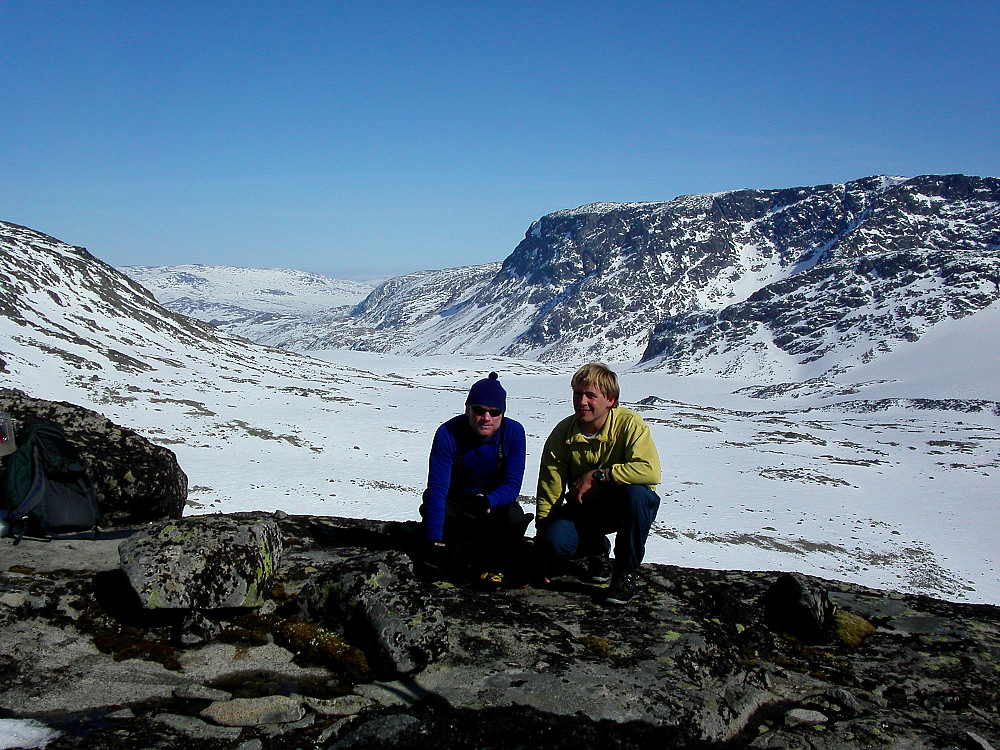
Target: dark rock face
point(895, 262)
point(137, 481)
point(697, 660)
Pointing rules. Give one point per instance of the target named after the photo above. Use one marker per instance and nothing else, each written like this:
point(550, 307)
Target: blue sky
point(367, 139)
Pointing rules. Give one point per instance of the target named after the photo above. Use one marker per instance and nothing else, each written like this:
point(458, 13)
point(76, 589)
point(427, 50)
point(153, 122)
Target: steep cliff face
point(915, 254)
point(806, 271)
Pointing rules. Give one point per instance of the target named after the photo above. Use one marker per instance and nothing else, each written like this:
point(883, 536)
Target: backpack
point(47, 485)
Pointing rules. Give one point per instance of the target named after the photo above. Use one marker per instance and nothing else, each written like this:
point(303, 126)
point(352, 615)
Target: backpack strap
point(32, 498)
point(503, 424)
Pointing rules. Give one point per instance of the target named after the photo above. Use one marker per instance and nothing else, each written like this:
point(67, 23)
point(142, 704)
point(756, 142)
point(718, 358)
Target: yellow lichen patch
point(598, 645)
point(314, 644)
point(851, 629)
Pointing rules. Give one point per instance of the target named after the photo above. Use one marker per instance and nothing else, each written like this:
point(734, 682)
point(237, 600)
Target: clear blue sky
point(360, 139)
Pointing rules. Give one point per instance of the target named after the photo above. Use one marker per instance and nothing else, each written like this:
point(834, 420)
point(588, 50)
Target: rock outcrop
point(136, 480)
point(371, 597)
point(202, 563)
point(699, 659)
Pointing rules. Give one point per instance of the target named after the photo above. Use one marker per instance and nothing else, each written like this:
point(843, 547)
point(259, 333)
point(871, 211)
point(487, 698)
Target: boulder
point(137, 481)
point(202, 563)
point(251, 712)
point(798, 607)
point(376, 600)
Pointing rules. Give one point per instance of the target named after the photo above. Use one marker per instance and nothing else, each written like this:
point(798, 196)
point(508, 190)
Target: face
point(485, 424)
point(591, 407)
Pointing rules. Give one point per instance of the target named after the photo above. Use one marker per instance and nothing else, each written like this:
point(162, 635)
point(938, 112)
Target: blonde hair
point(600, 375)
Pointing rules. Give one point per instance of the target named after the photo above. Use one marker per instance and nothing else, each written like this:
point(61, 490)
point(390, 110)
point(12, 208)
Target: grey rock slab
point(921, 625)
point(100, 554)
point(194, 727)
point(201, 692)
point(798, 717)
point(252, 712)
point(69, 673)
point(344, 705)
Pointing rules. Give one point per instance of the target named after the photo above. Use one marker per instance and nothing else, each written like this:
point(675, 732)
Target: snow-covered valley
point(884, 473)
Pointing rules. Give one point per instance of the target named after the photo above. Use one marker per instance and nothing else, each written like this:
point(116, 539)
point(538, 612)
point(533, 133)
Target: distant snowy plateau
point(818, 366)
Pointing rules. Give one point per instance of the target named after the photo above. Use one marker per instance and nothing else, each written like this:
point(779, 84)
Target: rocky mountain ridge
point(770, 284)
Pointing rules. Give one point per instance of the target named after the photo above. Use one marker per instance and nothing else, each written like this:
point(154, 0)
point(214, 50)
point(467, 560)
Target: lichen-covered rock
point(851, 629)
point(137, 481)
point(314, 644)
point(374, 597)
point(202, 563)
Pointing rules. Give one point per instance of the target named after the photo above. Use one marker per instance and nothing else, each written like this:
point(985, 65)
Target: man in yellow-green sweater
point(598, 476)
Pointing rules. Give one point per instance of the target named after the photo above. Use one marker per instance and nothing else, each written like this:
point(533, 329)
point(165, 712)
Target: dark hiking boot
point(490, 580)
point(622, 588)
point(599, 568)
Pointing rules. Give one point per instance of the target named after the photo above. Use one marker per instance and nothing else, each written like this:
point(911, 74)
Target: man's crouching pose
point(598, 475)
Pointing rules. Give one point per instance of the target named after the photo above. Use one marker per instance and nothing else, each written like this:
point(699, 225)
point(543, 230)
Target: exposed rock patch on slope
point(913, 255)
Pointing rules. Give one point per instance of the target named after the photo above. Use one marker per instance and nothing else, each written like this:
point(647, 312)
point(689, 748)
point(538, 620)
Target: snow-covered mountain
point(881, 265)
point(884, 474)
point(771, 284)
point(73, 328)
point(265, 305)
point(267, 290)
point(761, 282)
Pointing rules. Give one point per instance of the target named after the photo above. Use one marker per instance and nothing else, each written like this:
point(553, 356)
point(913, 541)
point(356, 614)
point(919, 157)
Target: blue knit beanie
point(488, 392)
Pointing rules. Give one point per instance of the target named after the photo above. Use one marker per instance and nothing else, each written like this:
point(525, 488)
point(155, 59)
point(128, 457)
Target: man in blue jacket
point(470, 510)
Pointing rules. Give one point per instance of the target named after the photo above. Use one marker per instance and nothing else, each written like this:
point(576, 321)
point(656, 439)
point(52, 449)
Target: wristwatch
point(600, 475)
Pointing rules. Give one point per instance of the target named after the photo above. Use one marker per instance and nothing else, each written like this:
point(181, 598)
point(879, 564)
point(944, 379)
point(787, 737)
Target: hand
point(477, 506)
point(580, 487)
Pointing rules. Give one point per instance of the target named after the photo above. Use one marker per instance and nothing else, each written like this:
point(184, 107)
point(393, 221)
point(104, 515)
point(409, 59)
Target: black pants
point(483, 541)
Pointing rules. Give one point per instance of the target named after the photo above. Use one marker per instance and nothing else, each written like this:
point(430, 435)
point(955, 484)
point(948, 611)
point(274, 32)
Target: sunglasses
point(481, 410)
